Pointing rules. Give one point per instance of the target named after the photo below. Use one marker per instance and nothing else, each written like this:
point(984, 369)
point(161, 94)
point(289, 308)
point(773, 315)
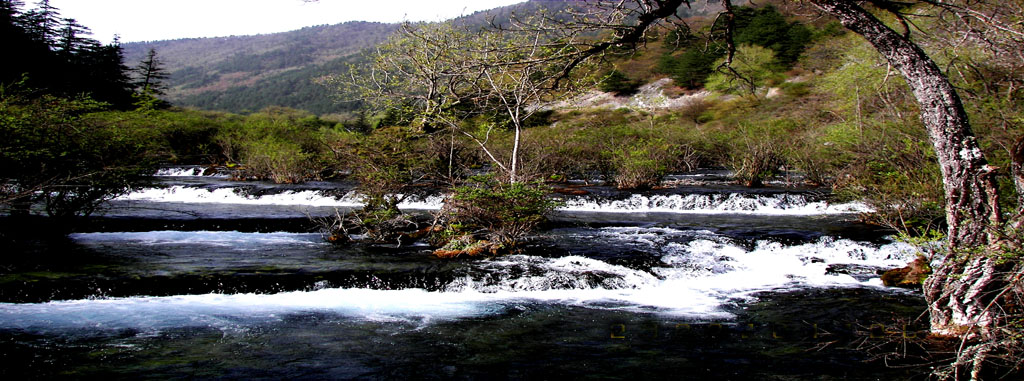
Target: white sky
point(148, 20)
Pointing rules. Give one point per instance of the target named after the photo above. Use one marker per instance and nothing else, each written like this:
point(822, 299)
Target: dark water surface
point(212, 279)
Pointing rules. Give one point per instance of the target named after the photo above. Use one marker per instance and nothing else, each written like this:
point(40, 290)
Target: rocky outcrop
point(651, 96)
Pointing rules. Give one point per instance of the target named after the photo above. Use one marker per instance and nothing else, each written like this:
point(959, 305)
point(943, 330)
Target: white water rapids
point(698, 274)
point(695, 279)
point(732, 203)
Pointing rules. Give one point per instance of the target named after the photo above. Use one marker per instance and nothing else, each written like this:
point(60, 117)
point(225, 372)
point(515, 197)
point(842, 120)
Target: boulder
point(912, 276)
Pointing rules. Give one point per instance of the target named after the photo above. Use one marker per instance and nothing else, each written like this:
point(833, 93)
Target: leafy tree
point(106, 78)
point(490, 216)
point(33, 53)
point(277, 143)
point(70, 40)
point(387, 163)
point(420, 70)
point(766, 27)
point(41, 23)
point(52, 154)
point(763, 27)
point(519, 70)
point(443, 74)
point(975, 293)
point(751, 67)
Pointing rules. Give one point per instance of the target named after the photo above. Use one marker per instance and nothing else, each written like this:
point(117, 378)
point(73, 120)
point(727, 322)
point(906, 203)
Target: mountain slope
point(246, 73)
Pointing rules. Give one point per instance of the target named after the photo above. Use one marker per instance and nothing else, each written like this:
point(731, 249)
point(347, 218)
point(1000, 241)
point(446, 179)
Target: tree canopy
point(55, 56)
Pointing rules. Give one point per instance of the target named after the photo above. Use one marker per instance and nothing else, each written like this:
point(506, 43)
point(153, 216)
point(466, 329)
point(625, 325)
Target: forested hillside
point(248, 73)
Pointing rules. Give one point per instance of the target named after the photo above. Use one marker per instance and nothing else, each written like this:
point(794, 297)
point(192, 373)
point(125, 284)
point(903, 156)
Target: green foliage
point(242, 74)
point(277, 160)
point(179, 136)
point(608, 143)
point(768, 28)
point(55, 57)
point(51, 153)
point(691, 68)
point(279, 144)
point(618, 83)
point(898, 176)
point(503, 213)
point(930, 243)
point(751, 68)
point(861, 83)
point(386, 163)
point(640, 165)
point(880, 152)
point(760, 150)
point(761, 27)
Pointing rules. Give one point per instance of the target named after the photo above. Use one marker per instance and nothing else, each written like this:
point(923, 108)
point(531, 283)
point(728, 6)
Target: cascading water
point(655, 272)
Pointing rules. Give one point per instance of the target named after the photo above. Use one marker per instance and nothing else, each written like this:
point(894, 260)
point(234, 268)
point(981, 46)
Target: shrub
point(900, 179)
point(692, 68)
point(282, 162)
point(618, 83)
point(760, 150)
point(756, 162)
point(180, 136)
point(52, 154)
point(386, 163)
point(641, 165)
point(810, 156)
point(447, 157)
point(500, 213)
point(279, 144)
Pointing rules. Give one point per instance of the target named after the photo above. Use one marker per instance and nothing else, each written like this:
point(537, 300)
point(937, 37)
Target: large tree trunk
point(960, 292)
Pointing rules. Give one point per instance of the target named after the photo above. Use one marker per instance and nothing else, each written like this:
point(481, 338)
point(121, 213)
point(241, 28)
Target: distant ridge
point(248, 73)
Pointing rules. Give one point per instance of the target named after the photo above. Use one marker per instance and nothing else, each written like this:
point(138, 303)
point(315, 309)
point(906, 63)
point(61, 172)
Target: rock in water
point(912, 276)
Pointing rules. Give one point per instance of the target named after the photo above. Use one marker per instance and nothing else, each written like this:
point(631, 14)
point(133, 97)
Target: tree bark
point(1017, 173)
point(960, 291)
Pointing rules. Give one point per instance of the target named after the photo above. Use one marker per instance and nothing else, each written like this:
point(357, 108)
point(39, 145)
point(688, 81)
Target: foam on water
point(735, 203)
point(184, 194)
point(189, 171)
point(696, 278)
point(228, 311)
point(210, 238)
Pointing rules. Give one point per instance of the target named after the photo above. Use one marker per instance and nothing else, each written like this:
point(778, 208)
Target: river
point(207, 278)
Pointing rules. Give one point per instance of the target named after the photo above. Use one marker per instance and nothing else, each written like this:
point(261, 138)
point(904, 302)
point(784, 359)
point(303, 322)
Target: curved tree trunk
point(963, 293)
point(961, 290)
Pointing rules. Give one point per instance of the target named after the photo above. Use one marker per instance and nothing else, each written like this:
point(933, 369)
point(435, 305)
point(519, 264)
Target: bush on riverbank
point(490, 216)
point(278, 144)
point(53, 154)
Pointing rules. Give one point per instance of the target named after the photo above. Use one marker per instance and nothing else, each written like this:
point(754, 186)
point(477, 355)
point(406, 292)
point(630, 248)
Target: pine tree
point(42, 22)
point(151, 74)
point(69, 38)
point(19, 41)
point(106, 75)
